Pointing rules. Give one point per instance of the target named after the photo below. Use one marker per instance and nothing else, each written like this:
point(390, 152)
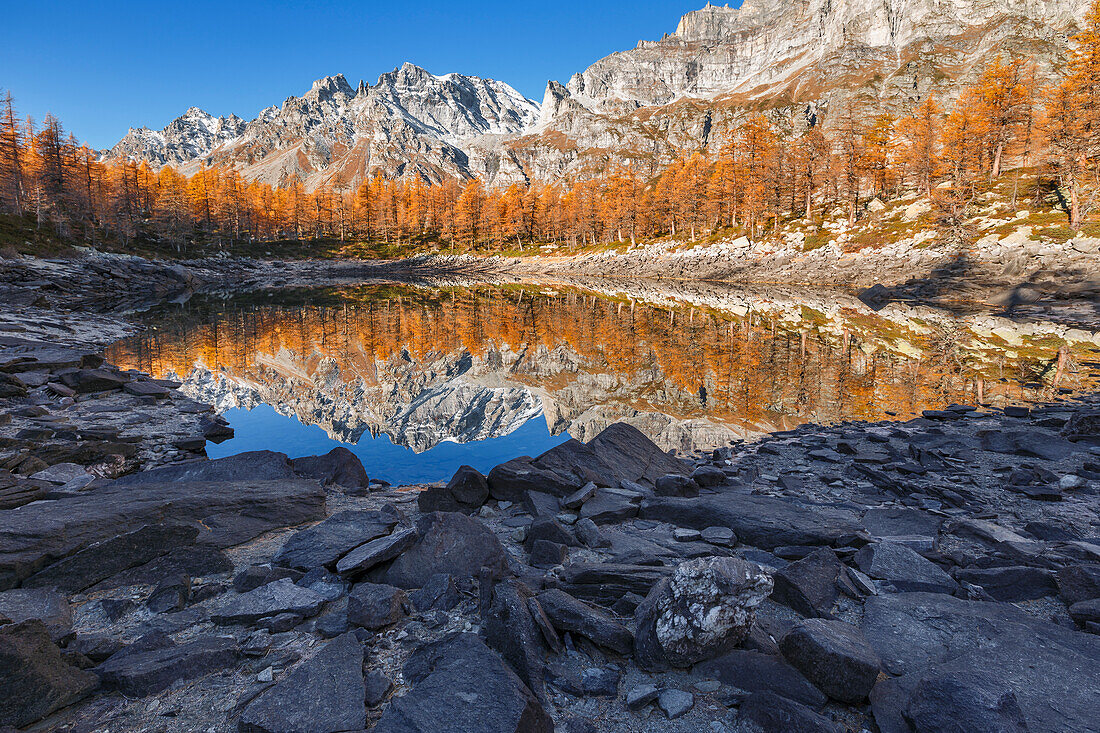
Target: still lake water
point(418, 380)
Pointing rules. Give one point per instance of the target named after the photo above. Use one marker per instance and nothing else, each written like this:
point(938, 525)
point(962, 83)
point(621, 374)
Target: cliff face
point(794, 60)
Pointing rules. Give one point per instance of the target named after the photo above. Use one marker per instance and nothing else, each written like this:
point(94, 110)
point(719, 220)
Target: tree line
point(760, 176)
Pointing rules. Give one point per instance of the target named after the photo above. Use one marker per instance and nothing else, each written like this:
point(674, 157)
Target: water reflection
point(693, 367)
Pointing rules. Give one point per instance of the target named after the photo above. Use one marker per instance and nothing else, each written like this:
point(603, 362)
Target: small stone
point(579, 497)
point(721, 536)
point(675, 703)
point(600, 681)
point(1070, 482)
point(267, 674)
point(377, 686)
point(707, 686)
point(375, 606)
point(686, 535)
point(642, 695)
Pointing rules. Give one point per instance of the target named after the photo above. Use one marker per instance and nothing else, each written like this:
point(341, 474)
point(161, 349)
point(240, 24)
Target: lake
point(418, 380)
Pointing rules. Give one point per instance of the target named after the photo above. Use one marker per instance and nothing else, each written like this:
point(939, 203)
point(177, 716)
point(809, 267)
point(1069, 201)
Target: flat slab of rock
point(459, 684)
point(758, 672)
point(323, 694)
point(903, 568)
point(567, 613)
point(227, 513)
point(323, 544)
point(973, 665)
point(47, 606)
point(260, 465)
point(281, 596)
point(143, 673)
point(34, 678)
point(605, 583)
point(375, 552)
point(105, 559)
point(761, 521)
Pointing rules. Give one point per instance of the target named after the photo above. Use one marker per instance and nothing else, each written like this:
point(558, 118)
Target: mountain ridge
point(645, 105)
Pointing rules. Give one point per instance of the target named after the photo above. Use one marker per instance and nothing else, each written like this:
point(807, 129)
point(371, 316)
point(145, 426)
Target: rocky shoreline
point(936, 574)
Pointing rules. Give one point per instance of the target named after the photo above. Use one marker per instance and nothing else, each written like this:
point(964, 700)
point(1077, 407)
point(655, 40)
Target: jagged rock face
point(687, 91)
point(692, 87)
point(410, 122)
point(188, 137)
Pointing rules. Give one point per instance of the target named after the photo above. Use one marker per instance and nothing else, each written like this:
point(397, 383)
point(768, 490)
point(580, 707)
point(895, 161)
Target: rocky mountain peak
point(330, 86)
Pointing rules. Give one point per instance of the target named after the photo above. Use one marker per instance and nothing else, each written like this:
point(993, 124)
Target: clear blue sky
point(103, 66)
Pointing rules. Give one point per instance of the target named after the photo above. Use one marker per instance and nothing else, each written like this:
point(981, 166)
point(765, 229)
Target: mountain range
point(793, 58)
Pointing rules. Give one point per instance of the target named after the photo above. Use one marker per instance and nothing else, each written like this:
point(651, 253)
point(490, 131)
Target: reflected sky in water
point(261, 428)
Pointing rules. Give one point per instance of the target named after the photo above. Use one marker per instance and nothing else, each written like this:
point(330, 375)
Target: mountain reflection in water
point(693, 367)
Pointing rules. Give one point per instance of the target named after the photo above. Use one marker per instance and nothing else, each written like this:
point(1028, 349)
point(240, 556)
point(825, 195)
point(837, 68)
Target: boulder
point(547, 554)
point(84, 381)
point(459, 684)
point(1083, 426)
point(323, 544)
point(675, 703)
point(767, 711)
point(755, 671)
point(465, 492)
point(338, 467)
point(323, 694)
point(567, 613)
point(632, 456)
point(579, 497)
point(254, 576)
point(282, 596)
point(903, 568)
point(35, 679)
point(226, 514)
point(1078, 583)
point(139, 673)
point(449, 543)
point(49, 607)
point(708, 476)
point(549, 529)
point(705, 608)
point(761, 521)
point(375, 606)
point(809, 585)
point(675, 484)
point(1086, 612)
point(377, 687)
point(834, 656)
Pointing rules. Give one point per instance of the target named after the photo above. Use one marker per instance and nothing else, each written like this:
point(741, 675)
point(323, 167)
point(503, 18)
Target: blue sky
point(103, 66)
